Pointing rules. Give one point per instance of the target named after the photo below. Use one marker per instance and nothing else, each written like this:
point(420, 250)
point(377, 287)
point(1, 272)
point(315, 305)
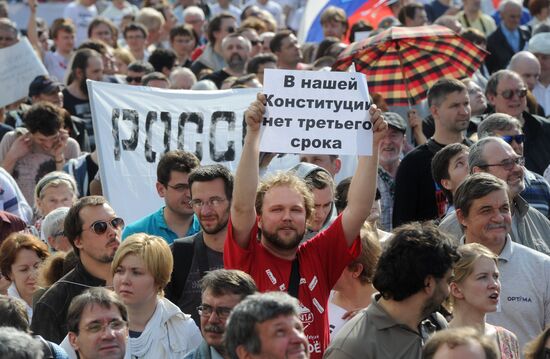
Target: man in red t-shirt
point(268, 221)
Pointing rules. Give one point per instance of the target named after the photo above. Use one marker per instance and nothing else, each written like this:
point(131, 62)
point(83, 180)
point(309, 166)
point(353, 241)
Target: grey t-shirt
point(191, 295)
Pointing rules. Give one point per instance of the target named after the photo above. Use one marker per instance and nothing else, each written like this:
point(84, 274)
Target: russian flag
point(372, 11)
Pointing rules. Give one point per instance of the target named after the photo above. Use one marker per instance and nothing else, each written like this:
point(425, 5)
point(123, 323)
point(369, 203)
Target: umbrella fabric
point(402, 63)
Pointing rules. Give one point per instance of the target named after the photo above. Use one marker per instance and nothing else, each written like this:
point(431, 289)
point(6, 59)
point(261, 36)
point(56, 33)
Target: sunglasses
point(518, 138)
point(100, 227)
point(133, 79)
point(255, 42)
point(509, 94)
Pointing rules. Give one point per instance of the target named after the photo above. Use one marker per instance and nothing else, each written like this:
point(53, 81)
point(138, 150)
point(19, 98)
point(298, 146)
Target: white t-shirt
point(81, 17)
point(56, 65)
point(335, 314)
point(115, 14)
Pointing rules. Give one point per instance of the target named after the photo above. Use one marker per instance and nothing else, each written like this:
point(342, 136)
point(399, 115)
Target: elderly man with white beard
point(529, 227)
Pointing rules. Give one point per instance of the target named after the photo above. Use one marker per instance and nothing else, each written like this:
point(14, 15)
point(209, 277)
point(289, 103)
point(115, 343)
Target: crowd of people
point(437, 247)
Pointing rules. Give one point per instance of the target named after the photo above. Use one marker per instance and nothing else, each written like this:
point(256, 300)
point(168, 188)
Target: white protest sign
point(316, 112)
point(19, 65)
point(135, 125)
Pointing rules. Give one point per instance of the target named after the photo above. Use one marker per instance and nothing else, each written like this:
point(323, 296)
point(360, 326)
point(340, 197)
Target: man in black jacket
point(507, 92)
point(94, 231)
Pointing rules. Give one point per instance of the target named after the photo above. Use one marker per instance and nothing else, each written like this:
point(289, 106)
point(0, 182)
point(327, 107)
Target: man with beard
point(211, 192)
point(94, 230)
point(495, 156)
point(86, 64)
point(268, 221)
point(391, 148)
point(412, 276)
point(222, 290)
point(483, 209)
point(235, 51)
point(175, 219)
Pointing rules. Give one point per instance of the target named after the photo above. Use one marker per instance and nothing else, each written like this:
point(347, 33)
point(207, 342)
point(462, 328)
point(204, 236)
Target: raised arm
point(243, 212)
point(362, 189)
point(32, 32)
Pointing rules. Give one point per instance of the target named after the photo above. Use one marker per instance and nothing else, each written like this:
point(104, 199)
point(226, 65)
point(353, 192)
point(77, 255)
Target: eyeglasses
point(58, 234)
point(509, 94)
point(255, 42)
point(509, 163)
point(212, 202)
point(518, 138)
point(7, 38)
point(96, 327)
point(181, 187)
point(206, 310)
point(230, 30)
point(133, 79)
point(100, 227)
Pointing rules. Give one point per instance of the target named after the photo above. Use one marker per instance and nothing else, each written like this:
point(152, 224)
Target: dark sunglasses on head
point(133, 79)
point(508, 94)
point(100, 227)
point(518, 138)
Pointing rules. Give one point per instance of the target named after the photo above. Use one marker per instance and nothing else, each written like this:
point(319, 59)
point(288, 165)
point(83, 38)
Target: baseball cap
point(396, 121)
point(42, 84)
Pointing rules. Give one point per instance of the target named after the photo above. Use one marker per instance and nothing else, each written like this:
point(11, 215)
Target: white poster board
point(316, 112)
point(135, 125)
point(19, 65)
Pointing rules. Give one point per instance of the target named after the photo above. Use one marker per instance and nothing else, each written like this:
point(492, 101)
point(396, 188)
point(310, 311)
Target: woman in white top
point(158, 329)
point(21, 256)
point(475, 291)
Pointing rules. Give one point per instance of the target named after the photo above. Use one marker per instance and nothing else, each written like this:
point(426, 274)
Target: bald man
point(527, 66)
point(540, 47)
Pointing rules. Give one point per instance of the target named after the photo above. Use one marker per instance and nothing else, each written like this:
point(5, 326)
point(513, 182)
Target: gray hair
point(497, 122)
point(204, 85)
point(228, 281)
point(476, 186)
point(15, 344)
point(495, 78)
point(183, 72)
point(256, 309)
point(504, 4)
point(53, 223)
point(193, 10)
point(7, 24)
point(476, 158)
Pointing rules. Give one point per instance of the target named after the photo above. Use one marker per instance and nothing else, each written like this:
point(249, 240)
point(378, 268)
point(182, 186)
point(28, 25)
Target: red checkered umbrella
point(402, 63)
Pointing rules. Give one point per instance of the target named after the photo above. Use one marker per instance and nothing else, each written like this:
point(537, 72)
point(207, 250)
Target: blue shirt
point(512, 37)
point(155, 224)
point(537, 192)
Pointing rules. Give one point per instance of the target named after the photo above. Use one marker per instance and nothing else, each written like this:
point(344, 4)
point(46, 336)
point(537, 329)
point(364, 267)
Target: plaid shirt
point(537, 192)
point(386, 186)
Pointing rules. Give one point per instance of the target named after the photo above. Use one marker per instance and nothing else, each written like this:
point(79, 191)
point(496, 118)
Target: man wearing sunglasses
point(507, 93)
point(212, 56)
point(136, 71)
point(494, 156)
point(175, 219)
point(94, 231)
point(537, 189)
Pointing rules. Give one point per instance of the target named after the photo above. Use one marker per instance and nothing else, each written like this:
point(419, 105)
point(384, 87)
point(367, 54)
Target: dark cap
point(42, 84)
point(396, 121)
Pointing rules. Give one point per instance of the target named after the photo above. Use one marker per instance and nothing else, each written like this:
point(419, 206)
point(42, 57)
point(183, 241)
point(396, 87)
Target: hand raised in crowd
point(32, 6)
point(379, 125)
point(20, 147)
point(58, 148)
point(255, 113)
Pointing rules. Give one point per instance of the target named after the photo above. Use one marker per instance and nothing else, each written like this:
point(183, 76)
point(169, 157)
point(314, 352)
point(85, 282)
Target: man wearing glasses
point(94, 231)
point(494, 156)
point(537, 189)
point(97, 322)
point(175, 219)
point(211, 192)
point(222, 290)
point(507, 93)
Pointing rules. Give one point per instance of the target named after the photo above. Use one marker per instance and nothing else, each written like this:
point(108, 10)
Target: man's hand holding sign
point(281, 209)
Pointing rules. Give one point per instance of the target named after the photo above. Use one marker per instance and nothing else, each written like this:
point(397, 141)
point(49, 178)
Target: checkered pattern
point(420, 55)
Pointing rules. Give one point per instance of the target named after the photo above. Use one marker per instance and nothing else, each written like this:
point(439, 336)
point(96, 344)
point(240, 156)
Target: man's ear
point(161, 189)
point(242, 353)
point(460, 216)
point(429, 285)
point(73, 340)
point(337, 165)
point(491, 99)
point(446, 183)
point(476, 169)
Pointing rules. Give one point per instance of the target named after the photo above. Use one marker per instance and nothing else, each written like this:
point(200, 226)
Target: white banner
point(316, 112)
point(19, 65)
point(135, 125)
